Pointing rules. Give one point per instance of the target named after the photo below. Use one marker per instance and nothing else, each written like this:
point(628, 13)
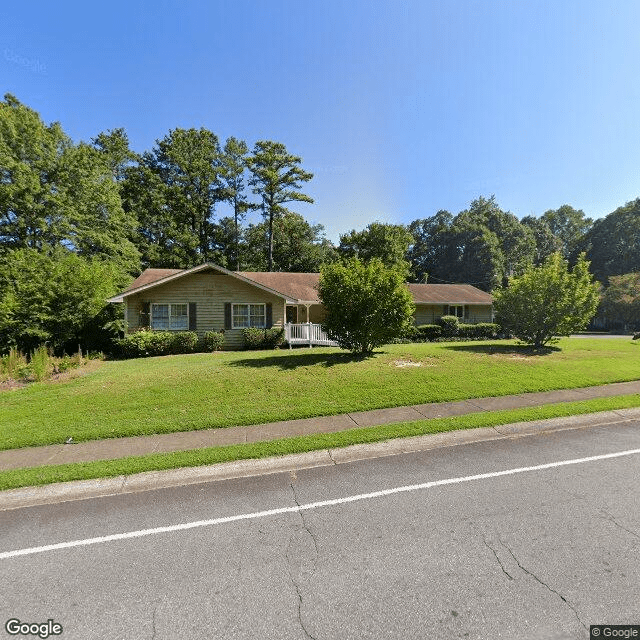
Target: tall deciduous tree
point(448, 252)
point(174, 192)
point(482, 246)
point(388, 242)
point(516, 241)
point(428, 250)
point(114, 146)
point(546, 242)
point(621, 299)
point(613, 242)
point(568, 225)
point(57, 194)
point(548, 301)
point(367, 304)
point(276, 177)
point(91, 220)
point(30, 154)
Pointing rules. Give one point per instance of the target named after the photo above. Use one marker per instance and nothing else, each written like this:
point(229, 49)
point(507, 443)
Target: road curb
point(151, 480)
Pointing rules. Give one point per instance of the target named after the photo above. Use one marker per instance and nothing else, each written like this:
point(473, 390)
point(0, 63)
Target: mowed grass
point(215, 455)
point(178, 393)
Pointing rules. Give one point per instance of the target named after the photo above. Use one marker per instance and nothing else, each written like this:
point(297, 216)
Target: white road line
point(306, 507)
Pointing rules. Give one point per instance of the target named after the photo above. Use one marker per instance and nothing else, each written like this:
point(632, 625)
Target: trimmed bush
point(184, 342)
point(213, 340)
point(262, 338)
point(429, 332)
point(450, 326)
point(486, 330)
point(157, 343)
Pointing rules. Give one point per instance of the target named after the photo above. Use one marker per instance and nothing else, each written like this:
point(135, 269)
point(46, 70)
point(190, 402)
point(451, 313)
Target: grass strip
point(36, 476)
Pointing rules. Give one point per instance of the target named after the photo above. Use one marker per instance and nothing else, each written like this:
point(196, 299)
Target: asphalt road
point(534, 554)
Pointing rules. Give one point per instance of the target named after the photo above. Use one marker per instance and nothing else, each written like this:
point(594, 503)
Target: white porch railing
point(307, 333)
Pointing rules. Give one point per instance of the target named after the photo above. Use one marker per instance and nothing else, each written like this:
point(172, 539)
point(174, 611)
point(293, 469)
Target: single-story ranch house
point(211, 298)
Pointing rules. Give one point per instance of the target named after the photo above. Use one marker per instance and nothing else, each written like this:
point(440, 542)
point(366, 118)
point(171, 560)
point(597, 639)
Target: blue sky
point(400, 108)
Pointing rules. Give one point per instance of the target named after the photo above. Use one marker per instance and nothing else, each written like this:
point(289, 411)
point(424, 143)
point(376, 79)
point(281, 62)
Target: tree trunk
point(270, 260)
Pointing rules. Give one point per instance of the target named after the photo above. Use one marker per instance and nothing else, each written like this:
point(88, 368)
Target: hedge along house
point(211, 298)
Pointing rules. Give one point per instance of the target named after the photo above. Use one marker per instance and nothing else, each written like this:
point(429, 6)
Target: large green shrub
point(367, 304)
point(254, 338)
point(548, 301)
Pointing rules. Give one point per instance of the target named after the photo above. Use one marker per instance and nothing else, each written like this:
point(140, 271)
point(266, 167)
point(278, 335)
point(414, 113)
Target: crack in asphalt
point(506, 573)
point(295, 584)
point(300, 612)
point(611, 518)
point(544, 584)
point(153, 623)
point(305, 526)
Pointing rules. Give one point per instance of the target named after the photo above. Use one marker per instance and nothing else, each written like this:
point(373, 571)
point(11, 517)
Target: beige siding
point(431, 313)
point(428, 313)
point(210, 291)
point(479, 313)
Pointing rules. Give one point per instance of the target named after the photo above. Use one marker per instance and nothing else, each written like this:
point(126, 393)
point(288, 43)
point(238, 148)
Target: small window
point(456, 310)
point(170, 317)
point(248, 315)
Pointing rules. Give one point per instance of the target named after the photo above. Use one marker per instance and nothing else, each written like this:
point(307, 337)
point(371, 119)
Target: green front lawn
point(178, 393)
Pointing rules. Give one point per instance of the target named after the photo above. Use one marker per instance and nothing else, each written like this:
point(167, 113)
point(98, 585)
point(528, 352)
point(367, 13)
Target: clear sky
point(400, 108)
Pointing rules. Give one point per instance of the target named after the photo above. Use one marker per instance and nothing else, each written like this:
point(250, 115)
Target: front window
point(170, 317)
point(456, 310)
point(248, 315)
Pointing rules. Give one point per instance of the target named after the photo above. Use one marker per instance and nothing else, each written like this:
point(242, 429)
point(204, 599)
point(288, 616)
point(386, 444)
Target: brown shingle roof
point(297, 286)
point(302, 287)
point(151, 275)
point(449, 294)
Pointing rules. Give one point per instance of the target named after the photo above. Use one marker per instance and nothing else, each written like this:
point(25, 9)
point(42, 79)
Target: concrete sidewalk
point(135, 446)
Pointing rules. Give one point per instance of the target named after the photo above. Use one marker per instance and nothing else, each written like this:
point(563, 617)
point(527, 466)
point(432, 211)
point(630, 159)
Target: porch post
point(308, 325)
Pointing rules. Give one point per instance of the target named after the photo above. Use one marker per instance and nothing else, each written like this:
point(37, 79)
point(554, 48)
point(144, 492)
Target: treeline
point(79, 220)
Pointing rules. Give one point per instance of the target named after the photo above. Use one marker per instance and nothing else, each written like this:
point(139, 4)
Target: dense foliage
point(621, 301)
point(367, 304)
point(547, 301)
point(53, 298)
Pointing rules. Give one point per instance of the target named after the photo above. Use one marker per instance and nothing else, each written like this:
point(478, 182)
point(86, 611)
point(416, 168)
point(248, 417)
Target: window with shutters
point(170, 317)
point(248, 315)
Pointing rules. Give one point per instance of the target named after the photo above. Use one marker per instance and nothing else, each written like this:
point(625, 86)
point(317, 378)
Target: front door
point(292, 314)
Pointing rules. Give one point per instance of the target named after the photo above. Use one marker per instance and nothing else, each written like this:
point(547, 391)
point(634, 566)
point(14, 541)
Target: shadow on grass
point(503, 349)
point(296, 359)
